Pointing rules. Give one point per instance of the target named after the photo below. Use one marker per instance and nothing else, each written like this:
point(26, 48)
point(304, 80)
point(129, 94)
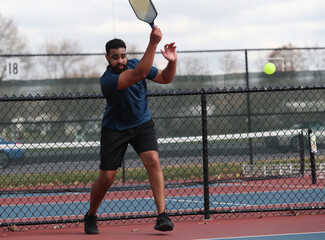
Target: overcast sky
point(193, 25)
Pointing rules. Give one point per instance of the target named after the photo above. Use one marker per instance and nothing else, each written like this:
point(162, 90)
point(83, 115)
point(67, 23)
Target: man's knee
point(150, 159)
point(107, 177)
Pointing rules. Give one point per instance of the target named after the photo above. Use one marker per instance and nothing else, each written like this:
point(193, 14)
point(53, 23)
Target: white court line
point(264, 185)
point(223, 203)
point(258, 236)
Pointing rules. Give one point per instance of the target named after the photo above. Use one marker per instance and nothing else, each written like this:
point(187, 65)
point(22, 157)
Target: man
point(127, 120)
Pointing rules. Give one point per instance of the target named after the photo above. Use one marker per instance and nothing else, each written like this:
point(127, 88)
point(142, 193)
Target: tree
point(192, 66)
point(62, 59)
point(11, 42)
point(230, 63)
point(286, 59)
point(133, 51)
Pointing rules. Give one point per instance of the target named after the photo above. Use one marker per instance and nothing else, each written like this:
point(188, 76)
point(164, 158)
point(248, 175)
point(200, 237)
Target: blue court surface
point(295, 236)
point(77, 208)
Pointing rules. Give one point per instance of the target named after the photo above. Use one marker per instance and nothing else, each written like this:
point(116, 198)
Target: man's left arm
point(167, 75)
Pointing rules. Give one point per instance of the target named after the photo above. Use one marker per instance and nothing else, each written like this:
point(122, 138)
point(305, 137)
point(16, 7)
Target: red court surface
point(201, 229)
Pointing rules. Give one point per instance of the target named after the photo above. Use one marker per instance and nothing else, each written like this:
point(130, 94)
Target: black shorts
point(113, 143)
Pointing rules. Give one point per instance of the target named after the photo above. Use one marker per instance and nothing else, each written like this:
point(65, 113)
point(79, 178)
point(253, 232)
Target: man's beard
point(117, 69)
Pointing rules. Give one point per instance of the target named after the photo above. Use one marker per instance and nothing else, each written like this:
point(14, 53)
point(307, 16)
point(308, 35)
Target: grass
point(230, 170)
point(47, 179)
point(178, 172)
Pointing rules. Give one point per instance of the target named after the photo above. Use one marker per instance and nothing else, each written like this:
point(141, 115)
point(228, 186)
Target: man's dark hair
point(114, 44)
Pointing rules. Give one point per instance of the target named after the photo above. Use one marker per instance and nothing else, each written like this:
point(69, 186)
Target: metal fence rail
point(230, 151)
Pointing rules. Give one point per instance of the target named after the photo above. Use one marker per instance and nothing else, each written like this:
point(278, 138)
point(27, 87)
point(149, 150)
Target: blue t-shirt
point(128, 107)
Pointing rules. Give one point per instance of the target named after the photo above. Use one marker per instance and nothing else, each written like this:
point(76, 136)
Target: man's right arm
point(132, 76)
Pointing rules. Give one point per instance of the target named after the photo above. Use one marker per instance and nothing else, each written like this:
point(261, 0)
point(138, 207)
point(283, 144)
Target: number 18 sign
point(13, 69)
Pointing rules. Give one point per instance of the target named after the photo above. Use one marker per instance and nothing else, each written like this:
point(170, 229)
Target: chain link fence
point(242, 68)
point(227, 149)
point(217, 157)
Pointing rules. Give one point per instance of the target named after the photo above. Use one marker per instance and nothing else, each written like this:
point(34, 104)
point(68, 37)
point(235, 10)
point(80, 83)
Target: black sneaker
point(91, 224)
point(164, 223)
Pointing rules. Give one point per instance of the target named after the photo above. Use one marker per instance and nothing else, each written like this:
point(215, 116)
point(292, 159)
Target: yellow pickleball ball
point(269, 68)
